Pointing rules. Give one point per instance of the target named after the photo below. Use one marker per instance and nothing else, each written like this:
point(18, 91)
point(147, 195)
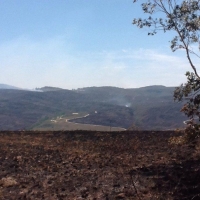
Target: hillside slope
point(146, 108)
point(5, 86)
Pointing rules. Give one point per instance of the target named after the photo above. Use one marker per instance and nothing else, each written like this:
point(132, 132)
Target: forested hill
point(145, 108)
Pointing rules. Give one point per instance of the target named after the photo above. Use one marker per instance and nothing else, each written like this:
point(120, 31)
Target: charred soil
point(97, 165)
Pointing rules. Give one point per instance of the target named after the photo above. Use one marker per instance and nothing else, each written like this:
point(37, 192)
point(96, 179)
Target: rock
point(120, 196)
point(8, 182)
point(19, 158)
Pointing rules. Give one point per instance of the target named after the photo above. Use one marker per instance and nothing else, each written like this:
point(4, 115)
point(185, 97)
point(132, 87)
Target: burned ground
point(97, 165)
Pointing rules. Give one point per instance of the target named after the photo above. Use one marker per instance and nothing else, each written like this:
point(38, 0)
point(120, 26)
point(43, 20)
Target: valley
point(148, 108)
point(64, 123)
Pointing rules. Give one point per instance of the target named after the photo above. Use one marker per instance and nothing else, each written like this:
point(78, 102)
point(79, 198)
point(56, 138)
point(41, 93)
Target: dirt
point(97, 165)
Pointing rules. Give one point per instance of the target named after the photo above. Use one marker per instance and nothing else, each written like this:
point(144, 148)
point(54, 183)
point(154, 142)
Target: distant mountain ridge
point(147, 108)
point(48, 88)
point(5, 86)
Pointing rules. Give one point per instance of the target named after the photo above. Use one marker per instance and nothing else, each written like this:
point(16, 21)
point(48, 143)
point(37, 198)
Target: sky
point(82, 43)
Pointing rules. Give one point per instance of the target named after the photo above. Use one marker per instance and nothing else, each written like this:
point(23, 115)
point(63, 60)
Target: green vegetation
point(106, 106)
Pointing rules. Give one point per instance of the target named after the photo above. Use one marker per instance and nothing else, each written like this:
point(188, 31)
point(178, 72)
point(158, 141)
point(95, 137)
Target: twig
point(195, 196)
point(135, 188)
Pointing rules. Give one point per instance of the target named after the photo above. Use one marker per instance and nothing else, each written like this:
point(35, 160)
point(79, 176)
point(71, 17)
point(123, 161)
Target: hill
point(48, 88)
point(153, 106)
point(5, 86)
point(145, 108)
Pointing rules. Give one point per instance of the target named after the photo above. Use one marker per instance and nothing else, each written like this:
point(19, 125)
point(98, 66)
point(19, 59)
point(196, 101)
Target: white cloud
point(26, 63)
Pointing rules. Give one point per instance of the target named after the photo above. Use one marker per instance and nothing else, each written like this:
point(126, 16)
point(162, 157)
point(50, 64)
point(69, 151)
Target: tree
point(183, 18)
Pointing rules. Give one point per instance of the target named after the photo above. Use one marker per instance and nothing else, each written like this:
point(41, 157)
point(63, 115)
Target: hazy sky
point(80, 43)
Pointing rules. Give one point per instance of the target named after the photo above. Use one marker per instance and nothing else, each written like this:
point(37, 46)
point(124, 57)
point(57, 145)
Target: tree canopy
point(182, 18)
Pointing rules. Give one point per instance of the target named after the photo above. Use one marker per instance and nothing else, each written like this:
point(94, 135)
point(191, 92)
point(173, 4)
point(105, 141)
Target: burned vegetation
point(98, 165)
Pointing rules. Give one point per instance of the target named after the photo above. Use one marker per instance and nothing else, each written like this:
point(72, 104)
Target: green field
point(63, 123)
